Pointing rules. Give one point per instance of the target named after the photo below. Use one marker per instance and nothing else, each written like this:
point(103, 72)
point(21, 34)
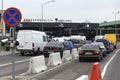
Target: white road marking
point(105, 68)
point(15, 63)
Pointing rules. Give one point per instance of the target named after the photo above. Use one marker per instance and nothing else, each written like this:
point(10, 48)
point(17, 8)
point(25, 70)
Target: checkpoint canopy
point(12, 17)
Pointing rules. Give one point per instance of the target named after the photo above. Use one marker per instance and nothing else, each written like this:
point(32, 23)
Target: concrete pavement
point(2, 53)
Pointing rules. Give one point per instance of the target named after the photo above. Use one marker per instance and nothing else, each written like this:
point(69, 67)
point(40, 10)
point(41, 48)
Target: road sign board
point(12, 17)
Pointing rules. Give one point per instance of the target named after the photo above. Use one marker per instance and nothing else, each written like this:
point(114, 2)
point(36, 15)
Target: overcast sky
point(75, 10)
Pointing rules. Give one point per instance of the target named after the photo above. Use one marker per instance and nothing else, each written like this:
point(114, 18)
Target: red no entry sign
point(12, 17)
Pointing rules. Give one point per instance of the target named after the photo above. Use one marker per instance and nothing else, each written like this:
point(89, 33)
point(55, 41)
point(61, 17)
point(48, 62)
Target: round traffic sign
point(12, 17)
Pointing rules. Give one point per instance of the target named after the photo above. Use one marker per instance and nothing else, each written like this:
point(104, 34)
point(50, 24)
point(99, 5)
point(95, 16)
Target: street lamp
point(42, 11)
point(115, 13)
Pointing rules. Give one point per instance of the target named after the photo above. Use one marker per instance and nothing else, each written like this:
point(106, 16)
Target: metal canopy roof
point(109, 23)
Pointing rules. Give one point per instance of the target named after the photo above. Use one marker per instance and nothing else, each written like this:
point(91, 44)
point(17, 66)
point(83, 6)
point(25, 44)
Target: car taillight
point(81, 52)
point(96, 52)
point(33, 45)
point(108, 46)
point(57, 48)
point(45, 48)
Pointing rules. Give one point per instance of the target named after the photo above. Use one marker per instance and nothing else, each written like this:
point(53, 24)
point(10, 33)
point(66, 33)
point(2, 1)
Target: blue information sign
point(12, 17)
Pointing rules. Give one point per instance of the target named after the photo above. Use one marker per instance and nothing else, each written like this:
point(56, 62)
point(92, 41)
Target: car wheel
point(36, 53)
point(80, 59)
point(104, 54)
point(99, 58)
point(61, 54)
point(46, 54)
point(22, 53)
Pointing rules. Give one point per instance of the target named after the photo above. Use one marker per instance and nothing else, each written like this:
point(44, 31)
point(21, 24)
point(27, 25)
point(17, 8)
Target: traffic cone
point(96, 73)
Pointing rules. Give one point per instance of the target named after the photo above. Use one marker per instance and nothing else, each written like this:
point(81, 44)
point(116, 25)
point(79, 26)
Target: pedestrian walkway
point(2, 53)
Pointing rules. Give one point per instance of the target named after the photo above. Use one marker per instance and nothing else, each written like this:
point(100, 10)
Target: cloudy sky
point(75, 10)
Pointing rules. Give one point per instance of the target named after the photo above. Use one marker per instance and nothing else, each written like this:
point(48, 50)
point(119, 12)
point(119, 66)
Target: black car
point(91, 51)
point(107, 44)
point(56, 46)
point(53, 47)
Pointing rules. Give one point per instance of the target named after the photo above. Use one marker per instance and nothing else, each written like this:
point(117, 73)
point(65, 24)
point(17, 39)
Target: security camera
point(3, 42)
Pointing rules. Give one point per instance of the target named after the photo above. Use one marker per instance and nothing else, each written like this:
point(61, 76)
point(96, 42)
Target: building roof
point(105, 23)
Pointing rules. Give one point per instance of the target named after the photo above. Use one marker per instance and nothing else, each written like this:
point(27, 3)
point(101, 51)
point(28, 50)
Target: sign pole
point(12, 17)
point(12, 36)
point(13, 64)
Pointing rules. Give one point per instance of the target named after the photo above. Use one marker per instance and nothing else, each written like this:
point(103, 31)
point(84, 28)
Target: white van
point(76, 37)
point(82, 39)
point(31, 41)
point(99, 37)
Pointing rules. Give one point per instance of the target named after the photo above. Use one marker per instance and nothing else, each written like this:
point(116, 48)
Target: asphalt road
point(113, 70)
point(75, 69)
point(67, 71)
point(72, 70)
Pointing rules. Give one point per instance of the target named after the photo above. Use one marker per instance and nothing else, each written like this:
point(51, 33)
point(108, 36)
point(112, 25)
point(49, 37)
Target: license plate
point(88, 53)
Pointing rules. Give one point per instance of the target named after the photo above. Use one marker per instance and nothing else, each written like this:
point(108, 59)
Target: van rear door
point(28, 40)
point(25, 40)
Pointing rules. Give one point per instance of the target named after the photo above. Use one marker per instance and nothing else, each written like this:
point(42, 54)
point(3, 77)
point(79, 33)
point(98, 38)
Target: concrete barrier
point(74, 53)
point(66, 55)
point(54, 59)
point(37, 64)
point(83, 77)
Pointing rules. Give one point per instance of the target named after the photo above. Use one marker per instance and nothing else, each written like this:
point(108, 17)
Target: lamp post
point(42, 11)
point(115, 13)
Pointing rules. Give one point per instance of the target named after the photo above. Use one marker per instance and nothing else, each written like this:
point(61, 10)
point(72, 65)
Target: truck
point(31, 41)
point(112, 38)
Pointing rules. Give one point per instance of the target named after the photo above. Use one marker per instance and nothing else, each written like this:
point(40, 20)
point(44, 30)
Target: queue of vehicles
point(99, 48)
point(31, 41)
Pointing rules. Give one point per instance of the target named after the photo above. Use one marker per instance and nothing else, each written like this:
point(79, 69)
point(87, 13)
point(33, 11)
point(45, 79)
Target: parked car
point(102, 46)
point(108, 45)
point(92, 51)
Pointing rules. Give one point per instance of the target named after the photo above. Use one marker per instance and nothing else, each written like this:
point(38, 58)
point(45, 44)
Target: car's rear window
point(54, 44)
point(90, 47)
point(105, 42)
